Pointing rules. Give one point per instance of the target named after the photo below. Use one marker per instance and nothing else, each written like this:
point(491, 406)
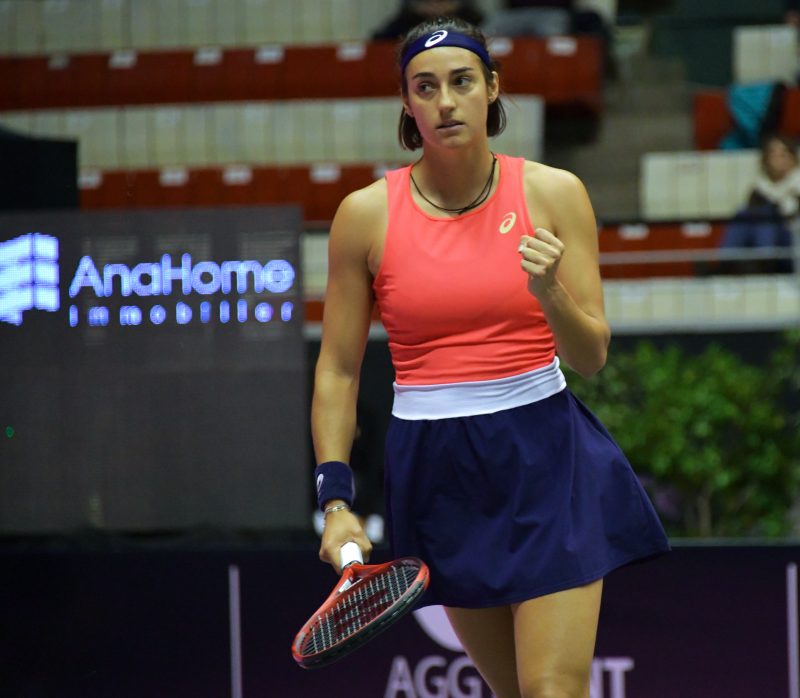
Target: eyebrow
point(456, 71)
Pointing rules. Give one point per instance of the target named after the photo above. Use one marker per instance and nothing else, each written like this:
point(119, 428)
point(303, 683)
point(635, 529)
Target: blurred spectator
point(548, 18)
point(756, 110)
point(773, 209)
point(531, 18)
point(412, 12)
point(544, 18)
point(792, 15)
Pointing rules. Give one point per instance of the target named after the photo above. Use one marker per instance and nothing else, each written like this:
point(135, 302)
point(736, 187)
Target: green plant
point(710, 434)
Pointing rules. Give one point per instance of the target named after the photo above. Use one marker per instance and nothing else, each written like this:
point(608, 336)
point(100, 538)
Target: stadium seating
point(712, 120)
point(281, 132)
point(633, 250)
point(765, 53)
point(726, 303)
point(68, 26)
point(696, 185)
point(209, 103)
point(562, 70)
point(319, 188)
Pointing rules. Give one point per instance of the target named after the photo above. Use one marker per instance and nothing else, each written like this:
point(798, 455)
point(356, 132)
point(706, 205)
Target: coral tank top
point(451, 294)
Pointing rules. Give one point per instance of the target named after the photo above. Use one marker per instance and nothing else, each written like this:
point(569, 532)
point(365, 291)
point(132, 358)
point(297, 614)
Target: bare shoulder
point(558, 201)
point(545, 181)
point(359, 225)
point(364, 207)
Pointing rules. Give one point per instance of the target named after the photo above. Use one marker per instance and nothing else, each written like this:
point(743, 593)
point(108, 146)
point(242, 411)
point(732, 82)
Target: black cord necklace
point(477, 201)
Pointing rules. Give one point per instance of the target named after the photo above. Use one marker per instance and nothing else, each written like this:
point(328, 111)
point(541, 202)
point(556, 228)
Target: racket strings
point(360, 606)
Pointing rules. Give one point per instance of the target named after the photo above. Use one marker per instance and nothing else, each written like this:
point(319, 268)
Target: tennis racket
point(366, 600)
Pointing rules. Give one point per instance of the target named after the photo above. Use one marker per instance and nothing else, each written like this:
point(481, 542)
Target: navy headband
point(443, 37)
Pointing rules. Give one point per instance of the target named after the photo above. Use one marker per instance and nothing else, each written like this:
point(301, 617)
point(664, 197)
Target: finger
point(535, 269)
point(545, 234)
point(540, 241)
point(366, 548)
point(541, 250)
point(331, 557)
point(545, 258)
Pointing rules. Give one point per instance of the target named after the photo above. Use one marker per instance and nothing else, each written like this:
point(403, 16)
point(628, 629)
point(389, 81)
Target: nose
point(446, 101)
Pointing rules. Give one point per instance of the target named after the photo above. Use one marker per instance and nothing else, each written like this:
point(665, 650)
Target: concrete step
point(614, 199)
point(648, 97)
point(651, 69)
point(648, 109)
point(643, 131)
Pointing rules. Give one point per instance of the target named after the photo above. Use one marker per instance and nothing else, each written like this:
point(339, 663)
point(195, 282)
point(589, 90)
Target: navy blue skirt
point(515, 504)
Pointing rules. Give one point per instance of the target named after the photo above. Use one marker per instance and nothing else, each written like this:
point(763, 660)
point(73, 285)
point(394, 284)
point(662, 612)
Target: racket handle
point(350, 553)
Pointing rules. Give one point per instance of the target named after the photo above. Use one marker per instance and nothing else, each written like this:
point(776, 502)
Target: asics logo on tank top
point(436, 37)
point(508, 222)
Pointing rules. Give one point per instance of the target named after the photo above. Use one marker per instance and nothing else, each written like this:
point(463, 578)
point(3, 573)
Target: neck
point(453, 179)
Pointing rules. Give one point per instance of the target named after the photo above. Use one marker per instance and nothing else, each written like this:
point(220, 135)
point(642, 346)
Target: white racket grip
point(350, 553)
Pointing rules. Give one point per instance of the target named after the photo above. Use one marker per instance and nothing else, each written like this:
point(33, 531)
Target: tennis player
point(485, 270)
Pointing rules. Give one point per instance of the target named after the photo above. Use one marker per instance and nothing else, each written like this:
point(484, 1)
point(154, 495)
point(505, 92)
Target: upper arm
point(561, 196)
point(349, 296)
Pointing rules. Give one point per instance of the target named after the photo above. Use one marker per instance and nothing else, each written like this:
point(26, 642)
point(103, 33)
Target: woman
point(772, 209)
point(495, 475)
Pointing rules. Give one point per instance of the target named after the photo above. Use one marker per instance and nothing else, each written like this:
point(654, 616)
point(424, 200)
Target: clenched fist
point(540, 258)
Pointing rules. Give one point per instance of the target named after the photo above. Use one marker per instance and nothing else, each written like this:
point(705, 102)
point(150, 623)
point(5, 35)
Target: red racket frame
point(353, 579)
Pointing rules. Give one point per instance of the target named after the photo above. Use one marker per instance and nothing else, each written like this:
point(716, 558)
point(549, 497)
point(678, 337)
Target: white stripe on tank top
point(477, 397)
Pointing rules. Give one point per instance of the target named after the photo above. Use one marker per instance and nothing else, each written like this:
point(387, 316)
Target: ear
point(493, 88)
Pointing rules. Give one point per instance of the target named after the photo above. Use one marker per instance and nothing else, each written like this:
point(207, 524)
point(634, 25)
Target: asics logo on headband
point(445, 37)
point(436, 37)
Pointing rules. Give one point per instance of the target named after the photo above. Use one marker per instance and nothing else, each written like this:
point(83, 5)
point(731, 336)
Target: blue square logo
point(28, 276)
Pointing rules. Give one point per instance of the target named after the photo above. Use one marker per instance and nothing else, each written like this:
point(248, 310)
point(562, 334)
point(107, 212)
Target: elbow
point(590, 362)
point(590, 366)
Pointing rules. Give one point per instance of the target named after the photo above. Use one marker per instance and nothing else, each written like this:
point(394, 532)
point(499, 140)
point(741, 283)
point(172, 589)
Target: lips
point(450, 124)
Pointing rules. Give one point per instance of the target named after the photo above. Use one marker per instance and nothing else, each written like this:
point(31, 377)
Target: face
point(778, 160)
point(448, 96)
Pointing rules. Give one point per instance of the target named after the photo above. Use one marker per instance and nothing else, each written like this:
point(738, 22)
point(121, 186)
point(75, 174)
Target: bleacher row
point(561, 70)
point(318, 188)
point(765, 52)
point(281, 132)
point(696, 184)
point(29, 27)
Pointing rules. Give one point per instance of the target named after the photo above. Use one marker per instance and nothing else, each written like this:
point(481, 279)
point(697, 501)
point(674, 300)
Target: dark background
point(155, 427)
point(153, 620)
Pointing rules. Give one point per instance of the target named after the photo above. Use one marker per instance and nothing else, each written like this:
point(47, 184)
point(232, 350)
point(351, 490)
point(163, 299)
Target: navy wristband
point(334, 480)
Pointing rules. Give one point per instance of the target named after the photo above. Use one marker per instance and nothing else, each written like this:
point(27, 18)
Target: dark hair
point(785, 141)
point(407, 131)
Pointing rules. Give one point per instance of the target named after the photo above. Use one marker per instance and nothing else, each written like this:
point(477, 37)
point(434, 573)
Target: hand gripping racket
point(366, 600)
